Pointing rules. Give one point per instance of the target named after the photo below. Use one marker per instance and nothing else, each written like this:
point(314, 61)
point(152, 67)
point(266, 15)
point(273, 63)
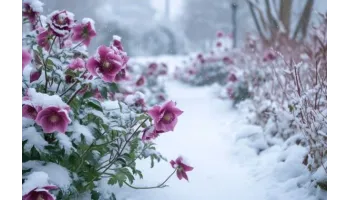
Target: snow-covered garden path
point(204, 136)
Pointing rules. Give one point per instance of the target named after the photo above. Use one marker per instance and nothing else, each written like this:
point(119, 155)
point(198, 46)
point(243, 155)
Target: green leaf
point(152, 161)
point(117, 178)
point(95, 195)
point(322, 185)
point(34, 154)
point(70, 73)
point(291, 108)
point(128, 174)
point(95, 105)
point(87, 95)
point(104, 92)
point(50, 64)
point(113, 87)
point(113, 197)
point(138, 172)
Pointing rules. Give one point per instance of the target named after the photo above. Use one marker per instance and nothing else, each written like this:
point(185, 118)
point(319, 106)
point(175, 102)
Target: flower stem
point(45, 62)
point(117, 155)
point(76, 46)
point(76, 82)
point(122, 149)
point(73, 96)
point(158, 186)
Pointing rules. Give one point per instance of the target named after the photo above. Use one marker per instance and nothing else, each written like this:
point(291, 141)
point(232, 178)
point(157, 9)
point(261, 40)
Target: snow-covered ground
point(225, 168)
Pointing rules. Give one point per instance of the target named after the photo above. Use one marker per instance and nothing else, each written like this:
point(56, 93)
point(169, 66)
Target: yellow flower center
point(168, 117)
point(106, 65)
point(54, 118)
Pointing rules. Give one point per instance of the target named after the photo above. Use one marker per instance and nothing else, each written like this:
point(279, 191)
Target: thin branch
point(158, 186)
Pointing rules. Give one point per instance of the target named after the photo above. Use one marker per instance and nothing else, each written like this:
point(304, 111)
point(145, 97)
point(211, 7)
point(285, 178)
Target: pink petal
point(155, 113)
point(103, 51)
point(26, 58)
point(186, 167)
point(183, 173)
point(92, 65)
point(51, 187)
point(179, 174)
point(172, 163)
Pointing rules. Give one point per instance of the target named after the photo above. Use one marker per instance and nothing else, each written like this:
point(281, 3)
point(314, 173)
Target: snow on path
point(202, 136)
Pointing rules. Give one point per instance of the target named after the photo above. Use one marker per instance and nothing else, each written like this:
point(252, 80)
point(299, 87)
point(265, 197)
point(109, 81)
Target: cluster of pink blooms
point(165, 119)
point(50, 117)
point(157, 69)
point(269, 55)
point(109, 63)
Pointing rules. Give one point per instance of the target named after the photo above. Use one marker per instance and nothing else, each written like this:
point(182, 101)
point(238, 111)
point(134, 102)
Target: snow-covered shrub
point(291, 102)
point(76, 136)
point(149, 78)
point(208, 67)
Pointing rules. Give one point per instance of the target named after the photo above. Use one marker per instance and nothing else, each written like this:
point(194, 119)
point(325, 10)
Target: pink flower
point(117, 43)
point(227, 60)
point(77, 63)
point(230, 92)
point(141, 81)
point(269, 56)
point(61, 22)
point(218, 44)
point(26, 58)
point(29, 111)
point(163, 69)
point(84, 32)
point(84, 90)
point(43, 38)
point(219, 34)
point(105, 64)
point(161, 97)
point(97, 94)
point(181, 167)
point(152, 67)
point(53, 119)
point(40, 194)
point(32, 10)
point(165, 117)
point(192, 71)
point(232, 77)
point(120, 76)
point(34, 75)
point(122, 55)
point(150, 133)
point(140, 103)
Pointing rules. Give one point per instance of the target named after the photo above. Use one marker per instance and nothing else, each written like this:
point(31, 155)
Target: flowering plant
point(77, 138)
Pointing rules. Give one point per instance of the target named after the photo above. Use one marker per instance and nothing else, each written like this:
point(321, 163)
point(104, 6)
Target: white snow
point(222, 148)
point(78, 130)
point(87, 20)
point(117, 38)
point(34, 138)
point(44, 100)
point(57, 174)
point(36, 5)
point(34, 180)
point(64, 142)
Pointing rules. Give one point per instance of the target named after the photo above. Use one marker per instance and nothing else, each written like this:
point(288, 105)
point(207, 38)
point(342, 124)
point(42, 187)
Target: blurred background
point(155, 27)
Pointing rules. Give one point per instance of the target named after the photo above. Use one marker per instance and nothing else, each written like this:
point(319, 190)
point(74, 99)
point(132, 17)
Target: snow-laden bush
point(76, 135)
point(283, 87)
point(208, 68)
point(290, 103)
point(149, 78)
